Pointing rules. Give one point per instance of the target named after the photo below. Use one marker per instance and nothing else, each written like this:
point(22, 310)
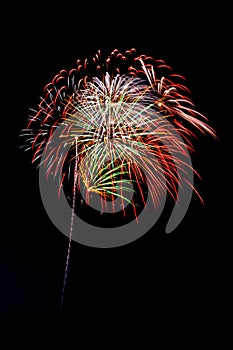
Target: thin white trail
point(71, 223)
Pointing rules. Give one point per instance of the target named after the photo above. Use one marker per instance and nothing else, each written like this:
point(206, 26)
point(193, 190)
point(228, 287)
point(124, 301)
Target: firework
point(116, 110)
point(113, 127)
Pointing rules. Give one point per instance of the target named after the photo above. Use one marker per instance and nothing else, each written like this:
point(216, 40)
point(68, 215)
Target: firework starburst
point(119, 128)
point(116, 110)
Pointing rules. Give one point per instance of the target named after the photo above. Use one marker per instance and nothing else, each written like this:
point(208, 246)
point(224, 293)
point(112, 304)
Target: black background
point(161, 276)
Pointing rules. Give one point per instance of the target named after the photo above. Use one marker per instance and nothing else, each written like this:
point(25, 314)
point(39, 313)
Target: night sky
point(157, 274)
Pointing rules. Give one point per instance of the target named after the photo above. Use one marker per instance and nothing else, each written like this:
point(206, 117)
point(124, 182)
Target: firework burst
point(115, 110)
point(125, 119)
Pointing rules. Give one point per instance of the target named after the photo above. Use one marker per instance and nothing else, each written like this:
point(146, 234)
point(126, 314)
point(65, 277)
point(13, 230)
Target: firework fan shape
point(116, 128)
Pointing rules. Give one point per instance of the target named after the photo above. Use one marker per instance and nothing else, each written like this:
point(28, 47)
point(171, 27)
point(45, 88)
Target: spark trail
point(71, 224)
